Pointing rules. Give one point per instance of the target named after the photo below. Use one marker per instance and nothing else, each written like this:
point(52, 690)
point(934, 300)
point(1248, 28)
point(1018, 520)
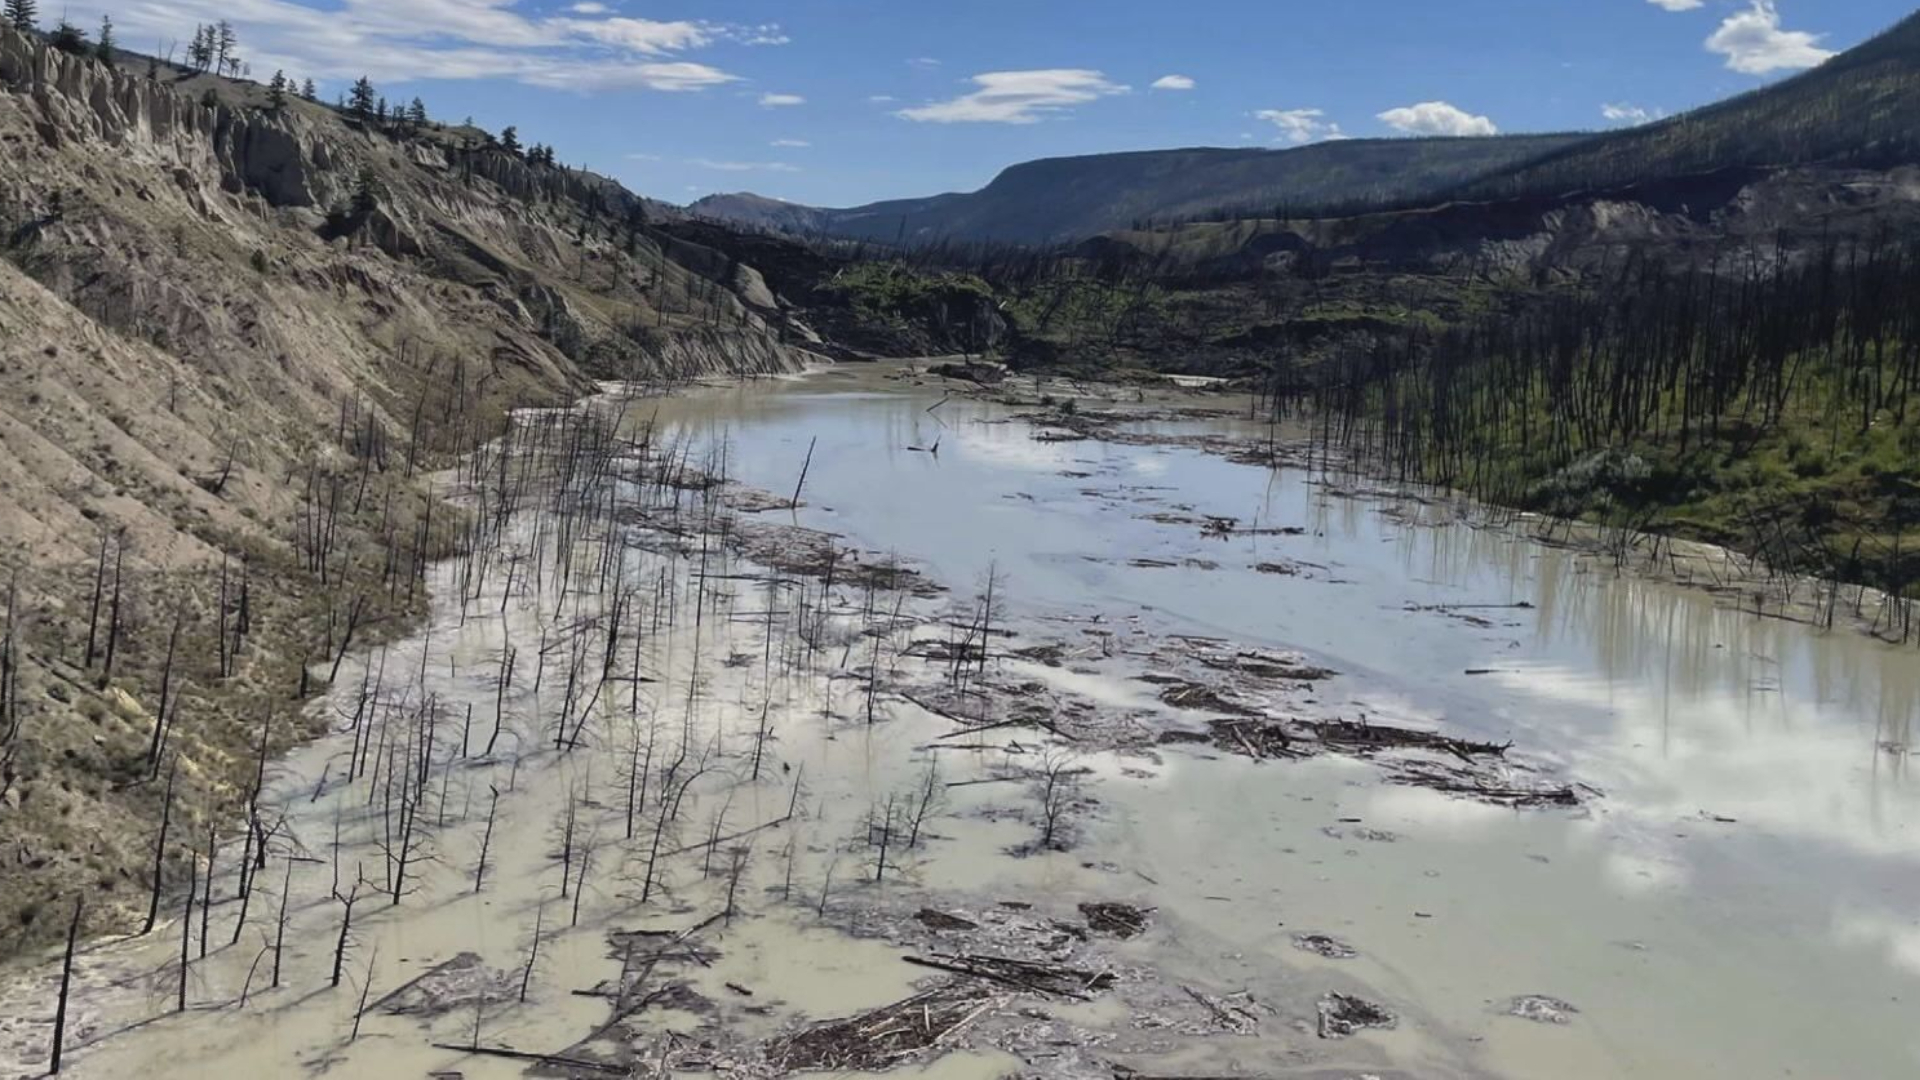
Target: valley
point(1427, 606)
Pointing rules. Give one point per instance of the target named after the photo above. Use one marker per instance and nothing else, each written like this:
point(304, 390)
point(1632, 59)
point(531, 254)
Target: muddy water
point(1742, 901)
point(1738, 903)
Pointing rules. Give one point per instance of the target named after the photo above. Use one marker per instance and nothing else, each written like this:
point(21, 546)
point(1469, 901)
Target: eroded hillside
point(236, 336)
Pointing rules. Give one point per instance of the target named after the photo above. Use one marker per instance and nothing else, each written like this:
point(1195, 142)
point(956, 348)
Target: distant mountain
point(760, 212)
point(1071, 198)
point(1861, 108)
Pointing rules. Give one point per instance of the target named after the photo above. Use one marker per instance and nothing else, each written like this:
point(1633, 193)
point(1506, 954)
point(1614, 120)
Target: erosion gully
point(1733, 895)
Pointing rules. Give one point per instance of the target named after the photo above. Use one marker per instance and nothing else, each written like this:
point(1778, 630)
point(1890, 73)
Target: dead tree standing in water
point(160, 849)
point(66, 987)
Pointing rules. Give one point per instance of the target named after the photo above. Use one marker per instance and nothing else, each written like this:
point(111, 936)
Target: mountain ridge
point(1862, 107)
point(1066, 198)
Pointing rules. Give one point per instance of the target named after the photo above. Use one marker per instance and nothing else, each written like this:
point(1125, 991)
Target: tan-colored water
point(1738, 904)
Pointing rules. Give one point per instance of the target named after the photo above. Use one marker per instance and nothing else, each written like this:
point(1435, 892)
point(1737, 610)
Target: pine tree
point(380, 112)
point(200, 54)
point(21, 14)
point(361, 100)
point(636, 221)
point(69, 38)
point(223, 41)
point(366, 191)
point(309, 91)
point(510, 140)
point(105, 46)
point(277, 91)
point(417, 113)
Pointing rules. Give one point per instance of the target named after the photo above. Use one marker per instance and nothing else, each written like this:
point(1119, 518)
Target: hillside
point(1071, 198)
point(235, 342)
point(1861, 107)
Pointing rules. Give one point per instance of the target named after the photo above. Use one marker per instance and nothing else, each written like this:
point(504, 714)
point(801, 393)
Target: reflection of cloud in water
point(1447, 815)
point(1644, 872)
point(1900, 938)
point(1009, 446)
point(1102, 689)
point(1148, 466)
point(1789, 773)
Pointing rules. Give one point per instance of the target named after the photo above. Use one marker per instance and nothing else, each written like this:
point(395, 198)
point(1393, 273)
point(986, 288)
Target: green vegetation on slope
point(1774, 410)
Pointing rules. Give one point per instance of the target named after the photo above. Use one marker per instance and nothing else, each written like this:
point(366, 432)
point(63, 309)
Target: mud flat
point(1011, 759)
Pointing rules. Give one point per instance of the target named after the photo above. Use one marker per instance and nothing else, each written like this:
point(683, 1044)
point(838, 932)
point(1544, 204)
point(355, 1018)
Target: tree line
point(1778, 391)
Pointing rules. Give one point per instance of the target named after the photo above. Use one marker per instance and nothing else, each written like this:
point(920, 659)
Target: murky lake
point(1742, 900)
point(1783, 942)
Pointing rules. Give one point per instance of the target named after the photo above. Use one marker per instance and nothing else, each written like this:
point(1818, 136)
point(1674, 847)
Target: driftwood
point(1121, 920)
point(883, 1037)
point(543, 1059)
point(1343, 1014)
point(1469, 768)
point(1361, 737)
point(1030, 975)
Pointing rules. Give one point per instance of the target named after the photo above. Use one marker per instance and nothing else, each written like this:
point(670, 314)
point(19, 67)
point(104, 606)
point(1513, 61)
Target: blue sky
point(837, 102)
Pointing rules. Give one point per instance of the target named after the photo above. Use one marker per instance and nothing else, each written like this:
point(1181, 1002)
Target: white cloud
point(1299, 127)
point(1018, 97)
point(411, 40)
point(673, 78)
point(1626, 113)
point(777, 101)
point(639, 35)
point(881, 99)
point(1754, 44)
point(743, 166)
point(1679, 5)
point(1437, 118)
point(924, 62)
point(764, 34)
point(798, 144)
point(1173, 82)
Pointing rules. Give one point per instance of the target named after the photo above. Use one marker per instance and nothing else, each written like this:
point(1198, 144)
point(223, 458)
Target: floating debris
point(940, 920)
point(459, 983)
point(1228, 1013)
point(1373, 836)
point(1541, 1009)
point(883, 1037)
point(1049, 655)
point(1266, 665)
point(1324, 945)
point(1360, 736)
point(1343, 1014)
point(1037, 976)
point(1190, 695)
point(1503, 788)
point(1258, 739)
point(1121, 920)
